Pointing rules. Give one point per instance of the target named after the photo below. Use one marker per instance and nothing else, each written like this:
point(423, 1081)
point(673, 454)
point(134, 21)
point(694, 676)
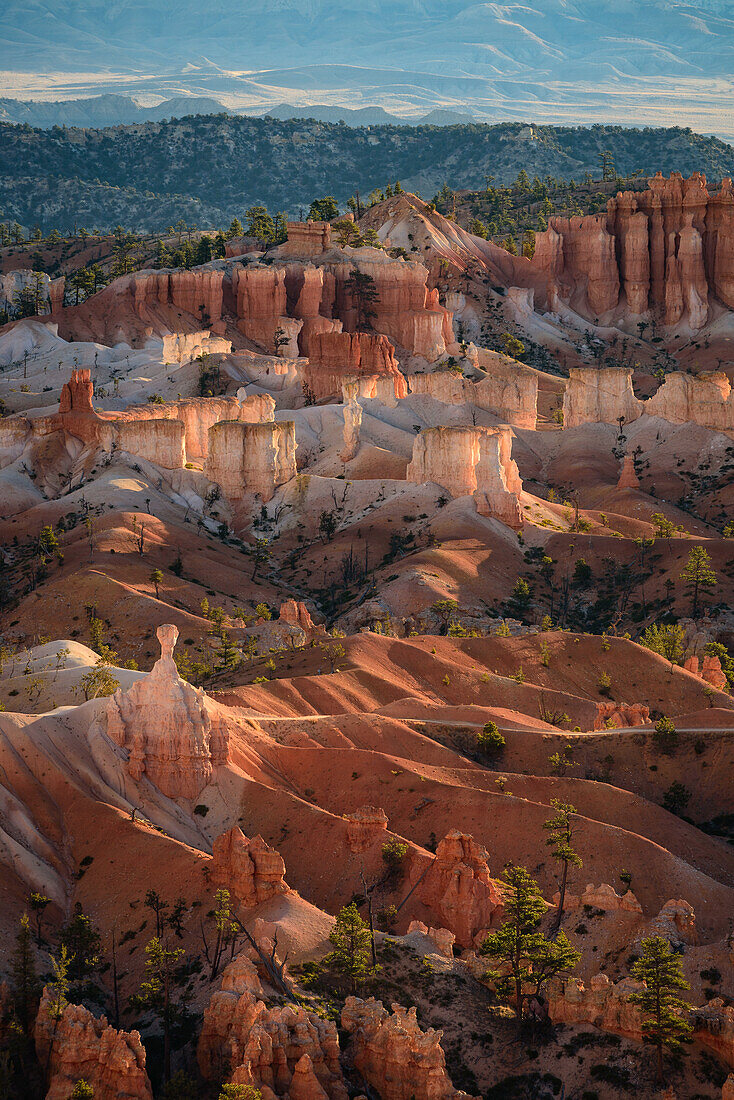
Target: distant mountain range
point(206, 169)
point(112, 109)
point(565, 61)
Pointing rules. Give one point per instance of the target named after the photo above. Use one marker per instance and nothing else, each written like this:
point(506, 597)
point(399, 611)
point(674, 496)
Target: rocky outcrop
point(669, 249)
point(603, 897)
point(704, 399)
point(364, 827)
point(251, 458)
point(405, 309)
point(612, 715)
point(602, 1003)
point(498, 479)
point(147, 434)
point(172, 733)
point(603, 395)
point(306, 239)
point(336, 357)
point(250, 869)
point(352, 419)
point(713, 1027)
point(199, 414)
point(708, 668)
point(457, 887)
point(81, 1046)
point(676, 922)
point(76, 394)
point(509, 390)
point(595, 396)
point(297, 614)
point(605, 1004)
point(727, 1091)
point(392, 1053)
point(251, 1044)
point(442, 939)
point(470, 461)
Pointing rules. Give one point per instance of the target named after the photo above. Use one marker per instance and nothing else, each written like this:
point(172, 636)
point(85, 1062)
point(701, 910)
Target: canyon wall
point(669, 249)
point(199, 292)
point(251, 458)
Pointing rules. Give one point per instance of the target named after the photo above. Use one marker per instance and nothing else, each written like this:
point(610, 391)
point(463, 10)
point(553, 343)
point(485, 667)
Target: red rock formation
point(297, 614)
point(171, 731)
point(56, 290)
point(709, 670)
point(606, 1006)
point(603, 897)
point(458, 888)
point(306, 239)
point(620, 715)
point(265, 1047)
point(393, 1055)
point(81, 1046)
point(251, 458)
point(628, 479)
point(76, 394)
point(498, 478)
point(602, 1003)
point(198, 292)
point(261, 302)
point(250, 869)
point(404, 309)
point(336, 357)
point(727, 1091)
point(670, 248)
point(365, 826)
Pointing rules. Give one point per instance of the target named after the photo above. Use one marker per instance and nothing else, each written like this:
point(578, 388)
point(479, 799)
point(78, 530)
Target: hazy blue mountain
point(654, 61)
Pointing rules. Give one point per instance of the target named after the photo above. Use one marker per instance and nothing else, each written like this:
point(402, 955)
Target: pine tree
point(664, 1013)
point(25, 984)
point(352, 954)
point(361, 287)
point(698, 577)
point(527, 958)
point(559, 838)
point(157, 991)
